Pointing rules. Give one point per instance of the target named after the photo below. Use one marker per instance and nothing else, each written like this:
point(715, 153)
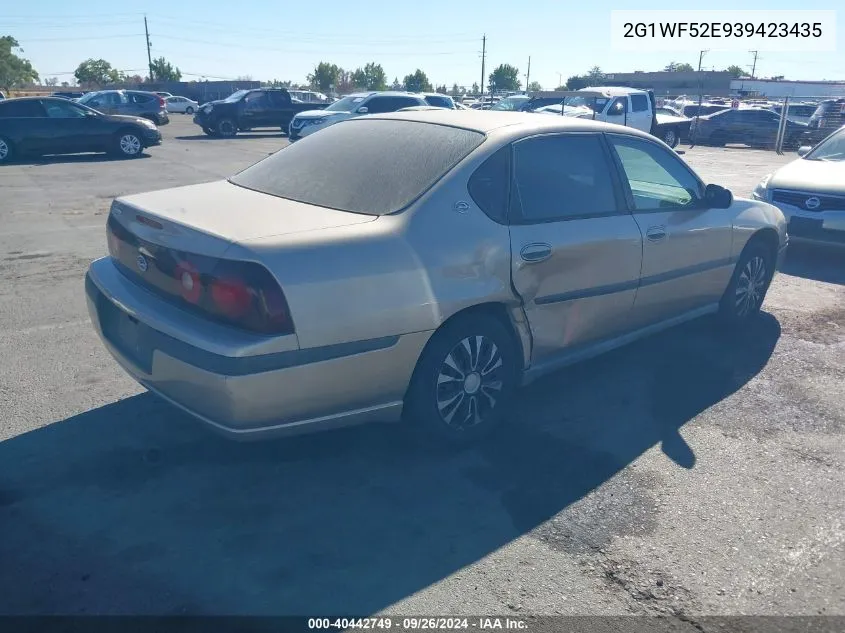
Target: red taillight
point(161, 102)
point(231, 297)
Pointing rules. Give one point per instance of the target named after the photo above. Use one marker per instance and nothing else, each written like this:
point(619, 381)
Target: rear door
point(641, 114)
point(24, 119)
point(687, 247)
point(575, 250)
point(281, 108)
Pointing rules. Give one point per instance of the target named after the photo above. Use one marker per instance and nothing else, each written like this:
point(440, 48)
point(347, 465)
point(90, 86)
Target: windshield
point(831, 149)
point(347, 104)
point(510, 103)
point(88, 97)
point(375, 166)
point(596, 104)
point(235, 96)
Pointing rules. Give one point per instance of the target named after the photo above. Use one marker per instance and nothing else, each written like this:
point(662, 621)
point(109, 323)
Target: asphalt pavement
point(695, 473)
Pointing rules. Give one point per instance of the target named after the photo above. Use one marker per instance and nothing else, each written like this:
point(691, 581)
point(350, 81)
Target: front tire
point(464, 381)
point(227, 128)
point(189, 110)
point(749, 284)
point(6, 150)
point(128, 145)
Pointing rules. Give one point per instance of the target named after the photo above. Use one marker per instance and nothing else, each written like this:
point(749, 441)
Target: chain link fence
point(782, 125)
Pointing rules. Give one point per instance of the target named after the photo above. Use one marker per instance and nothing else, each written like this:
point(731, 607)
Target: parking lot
point(693, 473)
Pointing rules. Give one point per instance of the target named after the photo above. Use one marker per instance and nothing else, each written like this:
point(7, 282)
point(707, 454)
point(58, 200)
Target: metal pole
point(149, 56)
point(782, 126)
point(483, 55)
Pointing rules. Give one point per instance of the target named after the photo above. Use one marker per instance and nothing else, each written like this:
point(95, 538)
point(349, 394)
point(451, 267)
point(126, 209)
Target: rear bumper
point(247, 396)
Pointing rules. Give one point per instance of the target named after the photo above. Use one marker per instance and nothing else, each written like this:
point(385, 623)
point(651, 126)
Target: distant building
point(784, 88)
point(664, 83)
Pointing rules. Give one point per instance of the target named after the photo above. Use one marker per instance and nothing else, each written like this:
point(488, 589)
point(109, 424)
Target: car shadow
point(241, 136)
point(819, 262)
point(54, 159)
point(132, 508)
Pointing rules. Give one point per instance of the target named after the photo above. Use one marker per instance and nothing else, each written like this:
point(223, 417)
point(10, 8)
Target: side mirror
point(804, 150)
point(618, 108)
point(716, 197)
point(363, 110)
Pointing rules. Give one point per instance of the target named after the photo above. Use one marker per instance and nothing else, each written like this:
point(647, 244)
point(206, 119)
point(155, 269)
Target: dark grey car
point(129, 102)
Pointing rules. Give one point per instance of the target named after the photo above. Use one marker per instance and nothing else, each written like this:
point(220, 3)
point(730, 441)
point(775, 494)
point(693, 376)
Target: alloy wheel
point(130, 144)
point(751, 286)
point(469, 382)
point(669, 138)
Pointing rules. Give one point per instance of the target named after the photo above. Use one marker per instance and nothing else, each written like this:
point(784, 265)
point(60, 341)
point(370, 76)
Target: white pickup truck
point(623, 106)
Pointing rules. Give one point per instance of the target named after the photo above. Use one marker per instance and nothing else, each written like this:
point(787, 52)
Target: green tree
point(396, 85)
point(504, 77)
point(96, 73)
point(370, 77)
point(325, 76)
point(14, 71)
point(576, 82)
point(534, 86)
point(163, 70)
point(595, 75)
point(735, 71)
point(417, 82)
point(475, 88)
point(675, 67)
point(455, 90)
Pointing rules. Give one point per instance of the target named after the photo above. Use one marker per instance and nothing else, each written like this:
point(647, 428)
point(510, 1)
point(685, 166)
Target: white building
point(784, 88)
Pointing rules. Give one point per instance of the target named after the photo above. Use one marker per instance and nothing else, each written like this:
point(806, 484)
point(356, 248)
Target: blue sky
point(271, 40)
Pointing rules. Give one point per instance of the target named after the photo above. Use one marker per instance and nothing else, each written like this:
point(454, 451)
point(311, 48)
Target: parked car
point(799, 112)
point(224, 297)
point(247, 110)
point(439, 100)
point(829, 116)
point(704, 109)
point(52, 125)
point(755, 127)
point(128, 102)
point(354, 105)
point(810, 191)
point(309, 96)
point(181, 104)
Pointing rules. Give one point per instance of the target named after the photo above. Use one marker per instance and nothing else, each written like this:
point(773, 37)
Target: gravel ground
point(694, 473)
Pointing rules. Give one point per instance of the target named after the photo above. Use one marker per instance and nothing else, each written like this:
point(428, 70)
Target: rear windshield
point(370, 166)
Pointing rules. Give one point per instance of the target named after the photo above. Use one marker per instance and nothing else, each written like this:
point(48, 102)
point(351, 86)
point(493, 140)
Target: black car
point(250, 109)
point(756, 127)
point(704, 109)
point(829, 116)
point(68, 95)
point(52, 125)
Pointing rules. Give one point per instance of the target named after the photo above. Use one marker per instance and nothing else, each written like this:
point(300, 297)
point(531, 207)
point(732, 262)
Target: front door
point(575, 250)
point(687, 247)
point(618, 111)
point(256, 110)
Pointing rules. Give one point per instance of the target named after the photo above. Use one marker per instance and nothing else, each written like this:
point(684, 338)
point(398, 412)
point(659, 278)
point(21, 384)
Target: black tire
point(226, 128)
point(189, 110)
point(7, 150)
point(671, 137)
point(461, 390)
point(128, 144)
point(749, 283)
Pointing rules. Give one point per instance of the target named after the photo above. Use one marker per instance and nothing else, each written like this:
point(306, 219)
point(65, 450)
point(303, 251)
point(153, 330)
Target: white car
point(354, 105)
point(181, 104)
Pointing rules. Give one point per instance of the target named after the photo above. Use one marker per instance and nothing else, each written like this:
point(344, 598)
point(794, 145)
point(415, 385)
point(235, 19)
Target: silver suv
point(129, 102)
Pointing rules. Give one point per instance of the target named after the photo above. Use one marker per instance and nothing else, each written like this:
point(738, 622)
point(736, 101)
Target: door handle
point(656, 233)
point(536, 252)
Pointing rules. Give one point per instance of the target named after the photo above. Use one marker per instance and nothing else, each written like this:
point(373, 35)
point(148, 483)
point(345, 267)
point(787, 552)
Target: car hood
point(236, 214)
point(126, 118)
point(817, 176)
point(320, 114)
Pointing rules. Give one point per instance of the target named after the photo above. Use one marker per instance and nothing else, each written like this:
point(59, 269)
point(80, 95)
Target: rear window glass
point(23, 108)
point(440, 102)
point(370, 166)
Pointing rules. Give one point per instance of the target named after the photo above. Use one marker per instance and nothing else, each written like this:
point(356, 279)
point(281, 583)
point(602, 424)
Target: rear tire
point(189, 110)
point(6, 150)
point(227, 128)
point(670, 137)
point(749, 284)
point(128, 144)
point(464, 381)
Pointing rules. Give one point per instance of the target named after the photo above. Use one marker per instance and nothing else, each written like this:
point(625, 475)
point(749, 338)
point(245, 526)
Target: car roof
point(509, 123)
point(614, 91)
point(384, 93)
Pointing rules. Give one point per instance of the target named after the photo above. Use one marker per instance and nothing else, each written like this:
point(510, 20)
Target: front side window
point(63, 110)
point(347, 104)
point(657, 178)
point(561, 177)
